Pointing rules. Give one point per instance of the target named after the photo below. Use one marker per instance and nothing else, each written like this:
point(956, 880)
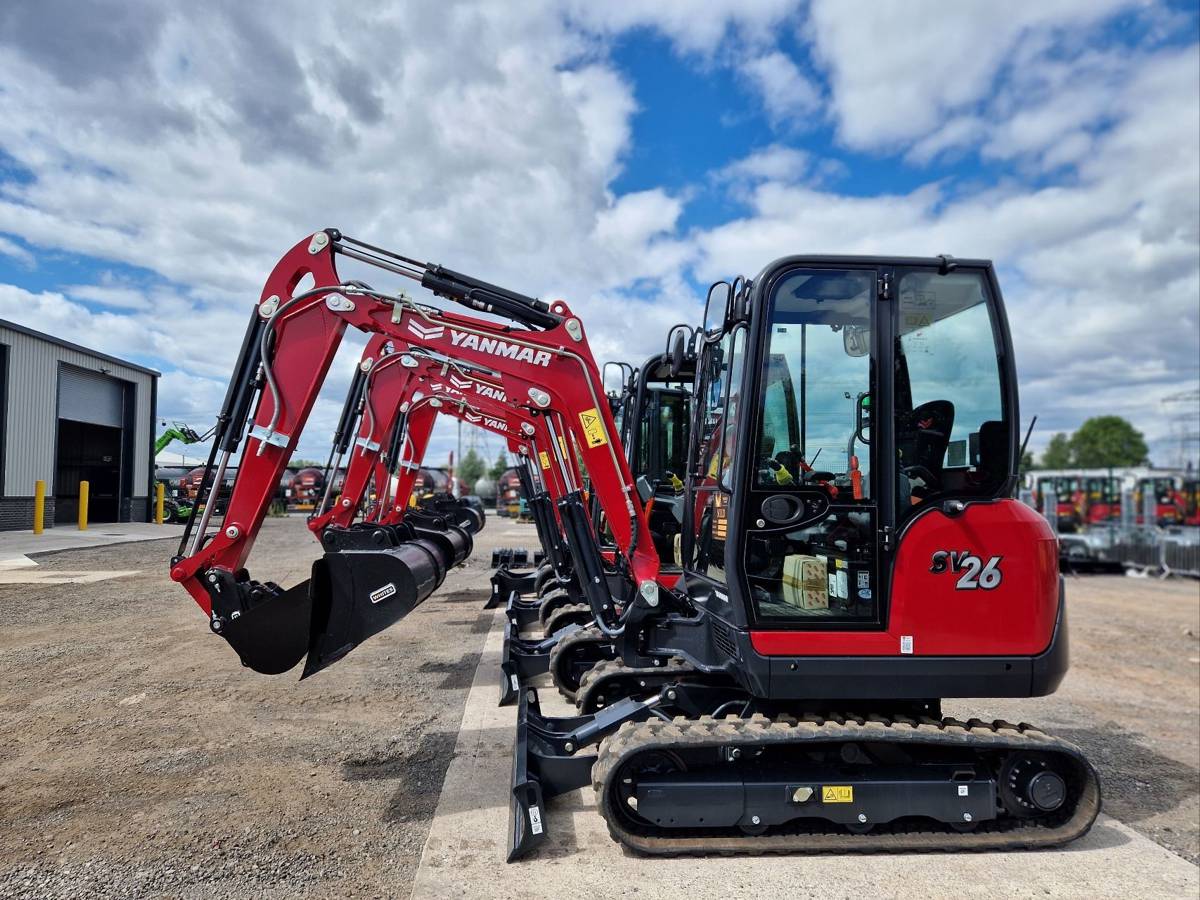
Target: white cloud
point(201, 142)
point(15, 251)
point(1101, 275)
point(898, 68)
point(791, 100)
point(694, 25)
point(110, 295)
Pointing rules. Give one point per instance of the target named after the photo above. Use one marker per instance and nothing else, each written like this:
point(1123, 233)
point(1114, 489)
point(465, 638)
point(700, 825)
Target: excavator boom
point(286, 354)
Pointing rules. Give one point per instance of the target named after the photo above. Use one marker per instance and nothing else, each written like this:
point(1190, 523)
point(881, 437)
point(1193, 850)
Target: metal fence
point(1163, 554)
point(1127, 544)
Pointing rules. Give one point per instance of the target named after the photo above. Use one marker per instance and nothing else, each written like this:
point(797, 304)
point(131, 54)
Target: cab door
point(817, 526)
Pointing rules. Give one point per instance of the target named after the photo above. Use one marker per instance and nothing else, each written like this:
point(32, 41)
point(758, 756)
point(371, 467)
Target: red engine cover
point(1014, 618)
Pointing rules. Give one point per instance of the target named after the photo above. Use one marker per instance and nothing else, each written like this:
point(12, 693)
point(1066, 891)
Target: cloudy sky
point(156, 159)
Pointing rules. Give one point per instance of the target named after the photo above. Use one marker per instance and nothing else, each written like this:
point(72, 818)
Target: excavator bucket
point(358, 593)
point(272, 636)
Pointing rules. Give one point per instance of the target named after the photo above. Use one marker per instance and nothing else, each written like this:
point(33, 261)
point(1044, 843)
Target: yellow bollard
point(83, 500)
point(160, 494)
point(39, 505)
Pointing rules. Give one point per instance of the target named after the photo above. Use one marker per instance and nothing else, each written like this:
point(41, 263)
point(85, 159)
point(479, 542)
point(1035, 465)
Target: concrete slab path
point(17, 546)
point(464, 854)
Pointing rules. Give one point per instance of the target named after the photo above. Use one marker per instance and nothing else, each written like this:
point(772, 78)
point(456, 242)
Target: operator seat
point(922, 437)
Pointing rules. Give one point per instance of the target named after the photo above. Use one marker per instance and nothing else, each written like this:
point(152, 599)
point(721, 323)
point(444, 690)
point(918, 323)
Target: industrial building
point(69, 414)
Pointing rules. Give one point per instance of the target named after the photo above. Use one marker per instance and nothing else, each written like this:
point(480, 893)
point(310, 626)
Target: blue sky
point(617, 156)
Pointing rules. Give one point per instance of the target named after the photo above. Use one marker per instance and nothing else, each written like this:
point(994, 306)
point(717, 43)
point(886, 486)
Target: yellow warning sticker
point(593, 428)
point(837, 793)
point(544, 457)
point(562, 445)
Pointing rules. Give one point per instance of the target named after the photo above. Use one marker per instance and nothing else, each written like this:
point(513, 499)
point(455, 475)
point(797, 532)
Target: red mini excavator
point(851, 556)
point(399, 391)
point(393, 406)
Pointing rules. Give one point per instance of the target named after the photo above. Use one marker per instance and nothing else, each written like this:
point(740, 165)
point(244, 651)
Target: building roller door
point(91, 438)
point(85, 396)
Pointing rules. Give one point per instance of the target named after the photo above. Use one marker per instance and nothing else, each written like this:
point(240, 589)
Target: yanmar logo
point(492, 393)
point(493, 346)
point(497, 347)
point(487, 421)
point(461, 383)
point(425, 332)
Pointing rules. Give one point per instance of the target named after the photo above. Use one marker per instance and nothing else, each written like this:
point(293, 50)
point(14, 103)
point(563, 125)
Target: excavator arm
point(522, 431)
point(288, 348)
point(400, 393)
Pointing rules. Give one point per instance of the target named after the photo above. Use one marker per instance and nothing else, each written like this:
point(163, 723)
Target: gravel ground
point(140, 760)
point(1131, 700)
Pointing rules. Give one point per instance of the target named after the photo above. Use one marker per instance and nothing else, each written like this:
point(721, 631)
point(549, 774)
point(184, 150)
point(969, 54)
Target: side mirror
point(862, 418)
point(678, 353)
point(856, 339)
point(719, 294)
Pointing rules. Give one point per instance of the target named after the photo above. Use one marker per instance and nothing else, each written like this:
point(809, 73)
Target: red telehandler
point(781, 694)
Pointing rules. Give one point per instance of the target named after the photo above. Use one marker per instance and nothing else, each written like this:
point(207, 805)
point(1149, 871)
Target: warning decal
point(593, 428)
point(839, 793)
point(562, 446)
point(544, 457)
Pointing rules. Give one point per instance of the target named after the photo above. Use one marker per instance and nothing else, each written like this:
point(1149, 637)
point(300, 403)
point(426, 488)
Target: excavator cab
point(656, 443)
point(858, 432)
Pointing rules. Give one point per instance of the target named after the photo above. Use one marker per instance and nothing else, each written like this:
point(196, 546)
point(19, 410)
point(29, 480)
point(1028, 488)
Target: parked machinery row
point(1092, 497)
point(757, 591)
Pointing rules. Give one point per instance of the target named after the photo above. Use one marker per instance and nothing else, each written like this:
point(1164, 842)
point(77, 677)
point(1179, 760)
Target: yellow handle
point(83, 502)
point(39, 506)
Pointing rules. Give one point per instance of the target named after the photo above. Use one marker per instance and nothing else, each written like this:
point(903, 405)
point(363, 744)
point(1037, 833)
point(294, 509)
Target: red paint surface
point(1016, 618)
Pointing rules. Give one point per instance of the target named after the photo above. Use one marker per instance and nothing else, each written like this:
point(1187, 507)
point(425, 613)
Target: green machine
point(176, 506)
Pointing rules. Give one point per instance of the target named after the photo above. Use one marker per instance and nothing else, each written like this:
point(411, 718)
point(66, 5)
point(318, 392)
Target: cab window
point(717, 423)
point(951, 431)
point(817, 372)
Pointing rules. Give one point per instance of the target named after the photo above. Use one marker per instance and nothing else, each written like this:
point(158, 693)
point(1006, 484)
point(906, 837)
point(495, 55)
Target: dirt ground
point(139, 759)
point(1131, 700)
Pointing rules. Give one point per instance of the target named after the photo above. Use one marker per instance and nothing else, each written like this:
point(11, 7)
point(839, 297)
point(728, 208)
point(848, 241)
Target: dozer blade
point(359, 593)
point(272, 636)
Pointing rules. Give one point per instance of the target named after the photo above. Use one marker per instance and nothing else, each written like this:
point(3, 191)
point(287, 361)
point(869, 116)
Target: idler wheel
point(1030, 785)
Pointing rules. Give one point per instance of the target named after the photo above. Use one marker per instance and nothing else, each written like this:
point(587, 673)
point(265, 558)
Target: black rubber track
point(561, 653)
point(571, 614)
point(1003, 834)
point(594, 686)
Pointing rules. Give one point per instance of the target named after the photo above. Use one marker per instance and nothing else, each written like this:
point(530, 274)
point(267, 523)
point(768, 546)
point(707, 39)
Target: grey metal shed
point(69, 414)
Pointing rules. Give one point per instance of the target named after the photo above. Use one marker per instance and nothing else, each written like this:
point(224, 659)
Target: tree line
point(1099, 443)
